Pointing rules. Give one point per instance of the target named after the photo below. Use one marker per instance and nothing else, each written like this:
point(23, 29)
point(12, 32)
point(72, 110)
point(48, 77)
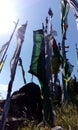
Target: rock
point(27, 102)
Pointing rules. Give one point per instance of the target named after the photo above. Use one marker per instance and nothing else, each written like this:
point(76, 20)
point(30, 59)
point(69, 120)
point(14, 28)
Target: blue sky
point(35, 11)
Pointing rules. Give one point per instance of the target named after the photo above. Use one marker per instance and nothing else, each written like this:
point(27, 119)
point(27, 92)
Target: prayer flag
point(20, 38)
point(37, 66)
point(13, 65)
point(4, 48)
point(64, 12)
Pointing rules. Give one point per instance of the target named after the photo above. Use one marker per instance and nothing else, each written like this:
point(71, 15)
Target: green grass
point(67, 117)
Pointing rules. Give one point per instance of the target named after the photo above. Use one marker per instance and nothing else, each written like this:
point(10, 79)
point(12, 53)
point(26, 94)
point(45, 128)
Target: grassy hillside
point(67, 117)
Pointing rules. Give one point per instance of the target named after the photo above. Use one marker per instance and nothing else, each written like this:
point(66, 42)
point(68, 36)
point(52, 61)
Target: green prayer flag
point(37, 66)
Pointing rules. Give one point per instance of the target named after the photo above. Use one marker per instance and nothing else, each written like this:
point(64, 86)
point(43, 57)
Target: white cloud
point(3, 91)
point(3, 87)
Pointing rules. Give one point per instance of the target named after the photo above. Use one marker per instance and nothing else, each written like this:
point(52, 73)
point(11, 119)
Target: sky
point(35, 12)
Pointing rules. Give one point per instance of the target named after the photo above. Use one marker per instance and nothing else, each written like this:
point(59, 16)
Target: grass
point(67, 117)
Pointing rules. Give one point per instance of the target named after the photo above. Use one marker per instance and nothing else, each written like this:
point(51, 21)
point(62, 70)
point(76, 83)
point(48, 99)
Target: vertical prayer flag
point(38, 55)
point(20, 38)
point(56, 57)
point(38, 68)
point(5, 47)
point(64, 25)
point(48, 57)
point(13, 64)
point(64, 12)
